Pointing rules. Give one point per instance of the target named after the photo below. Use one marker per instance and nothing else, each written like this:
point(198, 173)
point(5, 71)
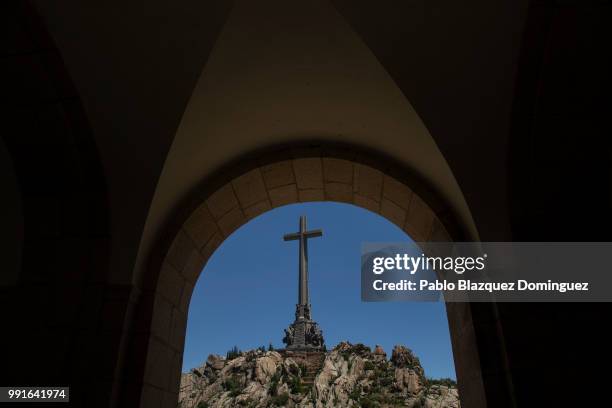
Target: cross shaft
point(302, 236)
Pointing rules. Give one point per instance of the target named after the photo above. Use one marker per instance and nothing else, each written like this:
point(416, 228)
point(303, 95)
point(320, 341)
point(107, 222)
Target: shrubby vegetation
point(447, 382)
point(233, 385)
point(280, 400)
point(233, 353)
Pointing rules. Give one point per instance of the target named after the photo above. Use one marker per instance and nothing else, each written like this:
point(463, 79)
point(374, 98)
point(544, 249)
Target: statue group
point(312, 339)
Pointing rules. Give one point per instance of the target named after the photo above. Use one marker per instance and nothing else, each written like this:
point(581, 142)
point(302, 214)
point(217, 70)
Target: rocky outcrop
point(350, 375)
point(379, 352)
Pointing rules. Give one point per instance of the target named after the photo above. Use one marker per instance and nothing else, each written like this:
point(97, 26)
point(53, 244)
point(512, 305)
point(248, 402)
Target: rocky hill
point(348, 376)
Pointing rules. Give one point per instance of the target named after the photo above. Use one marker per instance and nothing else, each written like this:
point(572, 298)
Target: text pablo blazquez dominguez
point(459, 265)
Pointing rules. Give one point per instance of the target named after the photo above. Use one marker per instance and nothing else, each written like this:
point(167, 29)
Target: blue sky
point(247, 293)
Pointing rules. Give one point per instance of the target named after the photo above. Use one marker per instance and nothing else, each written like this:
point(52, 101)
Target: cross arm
point(292, 237)
point(313, 233)
point(307, 234)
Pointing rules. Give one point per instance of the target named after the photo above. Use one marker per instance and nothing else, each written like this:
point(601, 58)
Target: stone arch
point(252, 187)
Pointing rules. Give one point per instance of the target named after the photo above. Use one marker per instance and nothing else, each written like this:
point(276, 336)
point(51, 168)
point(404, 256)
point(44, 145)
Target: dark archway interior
point(530, 150)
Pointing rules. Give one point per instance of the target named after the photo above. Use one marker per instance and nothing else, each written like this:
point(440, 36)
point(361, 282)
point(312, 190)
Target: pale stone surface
point(215, 361)
point(348, 376)
point(283, 195)
point(250, 188)
point(403, 357)
point(308, 173)
point(379, 351)
point(441, 396)
point(407, 380)
point(278, 174)
point(265, 367)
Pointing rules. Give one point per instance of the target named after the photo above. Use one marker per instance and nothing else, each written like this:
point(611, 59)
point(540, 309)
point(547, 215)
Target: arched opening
point(246, 296)
point(252, 188)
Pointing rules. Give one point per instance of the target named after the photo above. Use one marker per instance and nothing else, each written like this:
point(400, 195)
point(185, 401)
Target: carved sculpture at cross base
point(304, 335)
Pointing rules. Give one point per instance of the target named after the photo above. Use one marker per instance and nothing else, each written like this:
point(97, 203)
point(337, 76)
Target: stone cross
point(303, 310)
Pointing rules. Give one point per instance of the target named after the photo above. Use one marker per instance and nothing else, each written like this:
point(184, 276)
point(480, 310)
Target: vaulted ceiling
point(174, 91)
